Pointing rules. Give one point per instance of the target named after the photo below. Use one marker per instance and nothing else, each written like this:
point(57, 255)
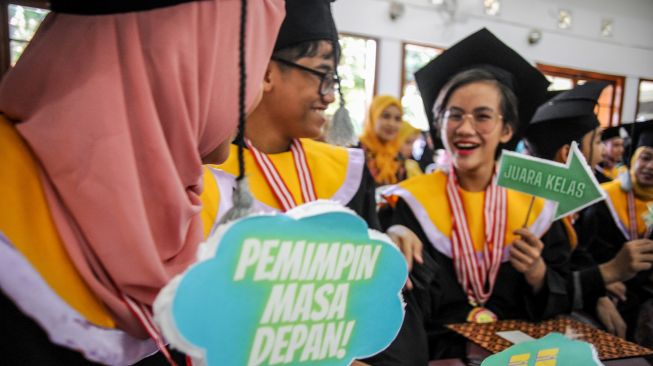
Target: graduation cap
point(612, 132)
point(483, 50)
point(642, 133)
point(307, 20)
point(104, 7)
point(565, 118)
point(550, 94)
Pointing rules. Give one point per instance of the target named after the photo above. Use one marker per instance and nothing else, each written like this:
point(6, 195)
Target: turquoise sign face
point(554, 349)
point(573, 186)
point(285, 291)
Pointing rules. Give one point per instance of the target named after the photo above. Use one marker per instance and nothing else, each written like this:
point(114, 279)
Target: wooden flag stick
point(528, 214)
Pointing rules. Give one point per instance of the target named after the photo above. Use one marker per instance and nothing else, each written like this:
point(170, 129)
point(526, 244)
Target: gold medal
point(481, 315)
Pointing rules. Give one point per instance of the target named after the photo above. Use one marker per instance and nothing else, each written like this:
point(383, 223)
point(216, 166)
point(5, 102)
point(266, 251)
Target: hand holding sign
point(572, 186)
point(307, 287)
point(526, 257)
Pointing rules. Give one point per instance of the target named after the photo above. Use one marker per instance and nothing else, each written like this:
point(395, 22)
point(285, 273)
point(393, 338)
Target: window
point(609, 104)
point(645, 100)
point(414, 57)
point(23, 19)
point(23, 22)
point(357, 71)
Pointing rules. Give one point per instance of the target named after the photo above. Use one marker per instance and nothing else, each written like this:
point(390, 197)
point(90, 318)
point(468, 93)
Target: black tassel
point(242, 198)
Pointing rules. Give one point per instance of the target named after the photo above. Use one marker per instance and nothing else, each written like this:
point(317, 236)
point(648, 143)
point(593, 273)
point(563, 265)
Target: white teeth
point(466, 145)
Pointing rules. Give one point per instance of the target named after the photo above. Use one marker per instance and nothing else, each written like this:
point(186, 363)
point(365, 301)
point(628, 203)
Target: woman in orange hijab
point(380, 139)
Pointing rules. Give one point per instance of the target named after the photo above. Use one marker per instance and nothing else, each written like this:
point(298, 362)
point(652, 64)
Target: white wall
point(628, 53)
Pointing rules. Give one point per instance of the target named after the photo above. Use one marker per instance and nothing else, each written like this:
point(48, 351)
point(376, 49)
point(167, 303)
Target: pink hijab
point(119, 110)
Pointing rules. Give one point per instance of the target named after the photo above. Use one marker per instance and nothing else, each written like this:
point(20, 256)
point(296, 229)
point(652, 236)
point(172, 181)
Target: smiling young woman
point(483, 262)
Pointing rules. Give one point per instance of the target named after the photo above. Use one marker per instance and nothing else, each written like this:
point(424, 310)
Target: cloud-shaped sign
point(306, 287)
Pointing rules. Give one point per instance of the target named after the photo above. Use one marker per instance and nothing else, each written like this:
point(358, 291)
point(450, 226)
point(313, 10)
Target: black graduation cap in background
point(612, 132)
point(483, 50)
point(550, 94)
point(565, 118)
point(577, 102)
point(104, 7)
point(642, 134)
point(306, 20)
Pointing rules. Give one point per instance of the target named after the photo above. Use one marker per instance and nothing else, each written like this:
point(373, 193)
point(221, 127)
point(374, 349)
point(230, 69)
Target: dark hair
point(508, 104)
point(305, 49)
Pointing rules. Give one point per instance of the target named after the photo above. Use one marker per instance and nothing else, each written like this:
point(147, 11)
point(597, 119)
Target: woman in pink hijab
point(105, 121)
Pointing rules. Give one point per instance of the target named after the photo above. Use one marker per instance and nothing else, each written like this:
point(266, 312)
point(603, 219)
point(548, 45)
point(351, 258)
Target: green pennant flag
point(572, 186)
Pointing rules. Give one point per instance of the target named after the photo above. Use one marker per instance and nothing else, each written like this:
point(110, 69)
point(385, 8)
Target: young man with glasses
point(286, 168)
point(298, 86)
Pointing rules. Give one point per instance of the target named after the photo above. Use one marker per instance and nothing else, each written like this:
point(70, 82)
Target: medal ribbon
point(632, 218)
point(275, 181)
point(144, 315)
point(477, 277)
point(632, 227)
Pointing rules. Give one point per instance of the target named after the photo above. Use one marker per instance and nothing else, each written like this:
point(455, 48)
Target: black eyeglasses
point(328, 80)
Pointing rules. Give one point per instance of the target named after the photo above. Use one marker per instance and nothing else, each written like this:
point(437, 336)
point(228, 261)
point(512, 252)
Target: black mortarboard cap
point(550, 94)
point(484, 50)
point(306, 20)
point(643, 134)
point(612, 132)
point(565, 118)
point(577, 102)
point(104, 7)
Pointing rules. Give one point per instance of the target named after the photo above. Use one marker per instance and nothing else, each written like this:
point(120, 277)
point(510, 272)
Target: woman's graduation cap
point(485, 51)
point(565, 118)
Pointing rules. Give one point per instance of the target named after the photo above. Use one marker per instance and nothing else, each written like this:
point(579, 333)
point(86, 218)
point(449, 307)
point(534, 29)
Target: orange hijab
point(118, 110)
point(384, 154)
